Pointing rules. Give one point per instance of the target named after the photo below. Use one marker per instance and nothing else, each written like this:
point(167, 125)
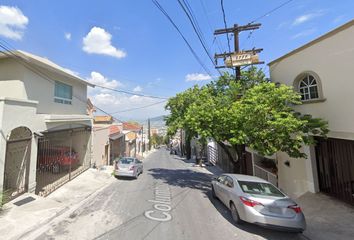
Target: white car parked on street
point(254, 200)
point(128, 167)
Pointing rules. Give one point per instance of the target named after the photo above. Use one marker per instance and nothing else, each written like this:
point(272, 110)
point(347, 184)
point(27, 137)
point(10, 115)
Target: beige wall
point(16, 81)
point(100, 140)
point(332, 59)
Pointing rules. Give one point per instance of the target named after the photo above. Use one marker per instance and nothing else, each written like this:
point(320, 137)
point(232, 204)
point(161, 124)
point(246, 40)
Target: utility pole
point(149, 135)
point(235, 60)
point(142, 140)
point(238, 58)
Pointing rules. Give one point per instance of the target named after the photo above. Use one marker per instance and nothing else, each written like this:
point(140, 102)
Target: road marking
point(162, 206)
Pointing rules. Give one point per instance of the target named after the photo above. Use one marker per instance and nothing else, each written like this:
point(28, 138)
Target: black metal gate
point(335, 164)
point(62, 155)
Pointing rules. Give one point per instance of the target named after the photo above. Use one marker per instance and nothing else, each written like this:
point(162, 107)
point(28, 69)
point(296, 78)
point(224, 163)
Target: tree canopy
point(251, 111)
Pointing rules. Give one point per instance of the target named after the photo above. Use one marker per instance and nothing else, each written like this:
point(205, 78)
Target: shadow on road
point(185, 178)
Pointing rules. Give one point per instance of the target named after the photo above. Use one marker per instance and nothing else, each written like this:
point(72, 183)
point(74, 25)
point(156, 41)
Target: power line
point(12, 54)
point(225, 24)
point(128, 92)
point(266, 15)
point(189, 13)
point(132, 109)
point(271, 11)
point(210, 27)
point(157, 4)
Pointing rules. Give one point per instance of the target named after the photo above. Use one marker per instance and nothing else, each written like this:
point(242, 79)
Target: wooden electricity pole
point(236, 30)
point(149, 134)
point(235, 60)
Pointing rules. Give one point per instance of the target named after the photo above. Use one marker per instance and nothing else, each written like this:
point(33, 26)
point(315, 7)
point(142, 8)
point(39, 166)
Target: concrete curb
point(40, 228)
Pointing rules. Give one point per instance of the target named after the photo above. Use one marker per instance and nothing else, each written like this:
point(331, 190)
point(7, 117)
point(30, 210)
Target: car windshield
point(126, 161)
point(259, 188)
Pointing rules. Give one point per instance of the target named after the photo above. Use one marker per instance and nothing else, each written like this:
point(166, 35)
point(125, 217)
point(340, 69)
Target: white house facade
point(322, 72)
point(42, 118)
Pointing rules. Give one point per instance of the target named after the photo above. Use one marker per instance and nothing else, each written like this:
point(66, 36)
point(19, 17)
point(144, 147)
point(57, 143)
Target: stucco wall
point(100, 139)
point(43, 92)
point(292, 179)
point(332, 60)
point(16, 81)
point(10, 79)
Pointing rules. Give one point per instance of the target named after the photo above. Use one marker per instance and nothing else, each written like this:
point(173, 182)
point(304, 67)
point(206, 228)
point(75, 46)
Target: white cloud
point(304, 33)
point(111, 101)
point(307, 17)
point(138, 89)
point(197, 77)
point(98, 41)
point(12, 22)
point(115, 102)
point(97, 78)
point(68, 36)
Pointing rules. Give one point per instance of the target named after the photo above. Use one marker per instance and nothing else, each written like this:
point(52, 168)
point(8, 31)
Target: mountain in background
point(155, 122)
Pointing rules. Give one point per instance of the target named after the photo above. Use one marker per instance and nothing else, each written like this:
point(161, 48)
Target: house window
point(308, 88)
point(63, 93)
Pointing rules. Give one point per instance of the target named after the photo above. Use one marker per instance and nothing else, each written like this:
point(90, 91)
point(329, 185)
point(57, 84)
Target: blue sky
point(130, 45)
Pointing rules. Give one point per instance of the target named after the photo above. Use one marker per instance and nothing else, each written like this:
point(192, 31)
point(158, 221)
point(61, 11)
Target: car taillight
point(131, 168)
point(296, 208)
point(249, 202)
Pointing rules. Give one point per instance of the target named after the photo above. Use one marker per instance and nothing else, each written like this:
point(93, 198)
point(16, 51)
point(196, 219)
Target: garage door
point(335, 164)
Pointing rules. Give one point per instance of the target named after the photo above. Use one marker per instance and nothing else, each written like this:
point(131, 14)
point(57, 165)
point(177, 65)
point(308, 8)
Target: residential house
point(321, 71)
point(45, 132)
point(131, 131)
point(117, 142)
point(108, 141)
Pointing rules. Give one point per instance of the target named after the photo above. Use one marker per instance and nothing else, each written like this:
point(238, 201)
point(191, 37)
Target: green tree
point(177, 106)
point(252, 112)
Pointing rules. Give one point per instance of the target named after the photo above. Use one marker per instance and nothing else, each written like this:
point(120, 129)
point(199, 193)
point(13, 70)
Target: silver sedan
point(254, 200)
point(128, 167)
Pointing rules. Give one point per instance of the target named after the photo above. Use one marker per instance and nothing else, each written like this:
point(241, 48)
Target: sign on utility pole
point(238, 58)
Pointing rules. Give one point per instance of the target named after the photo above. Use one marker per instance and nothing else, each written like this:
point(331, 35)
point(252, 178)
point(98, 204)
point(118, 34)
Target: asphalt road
point(170, 200)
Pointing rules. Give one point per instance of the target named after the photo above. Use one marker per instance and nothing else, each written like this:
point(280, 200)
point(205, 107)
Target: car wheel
point(213, 192)
point(234, 214)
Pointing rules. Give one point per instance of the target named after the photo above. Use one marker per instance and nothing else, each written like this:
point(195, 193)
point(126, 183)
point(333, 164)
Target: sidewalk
point(208, 169)
point(327, 218)
point(17, 222)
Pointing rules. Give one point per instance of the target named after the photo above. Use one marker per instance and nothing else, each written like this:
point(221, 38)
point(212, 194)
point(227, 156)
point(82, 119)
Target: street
point(170, 200)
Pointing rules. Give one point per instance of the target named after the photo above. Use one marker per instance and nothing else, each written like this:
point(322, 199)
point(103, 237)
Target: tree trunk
point(241, 154)
point(188, 145)
point(235, 163)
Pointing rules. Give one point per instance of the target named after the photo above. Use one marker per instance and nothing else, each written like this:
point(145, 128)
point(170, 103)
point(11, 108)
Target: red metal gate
point(335, 164)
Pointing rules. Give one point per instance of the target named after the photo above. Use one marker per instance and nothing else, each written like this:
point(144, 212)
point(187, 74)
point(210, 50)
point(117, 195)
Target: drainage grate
point(24, 201)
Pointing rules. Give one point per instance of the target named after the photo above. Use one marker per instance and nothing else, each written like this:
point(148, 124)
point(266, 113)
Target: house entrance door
point(335, 164)
point(17, 160)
